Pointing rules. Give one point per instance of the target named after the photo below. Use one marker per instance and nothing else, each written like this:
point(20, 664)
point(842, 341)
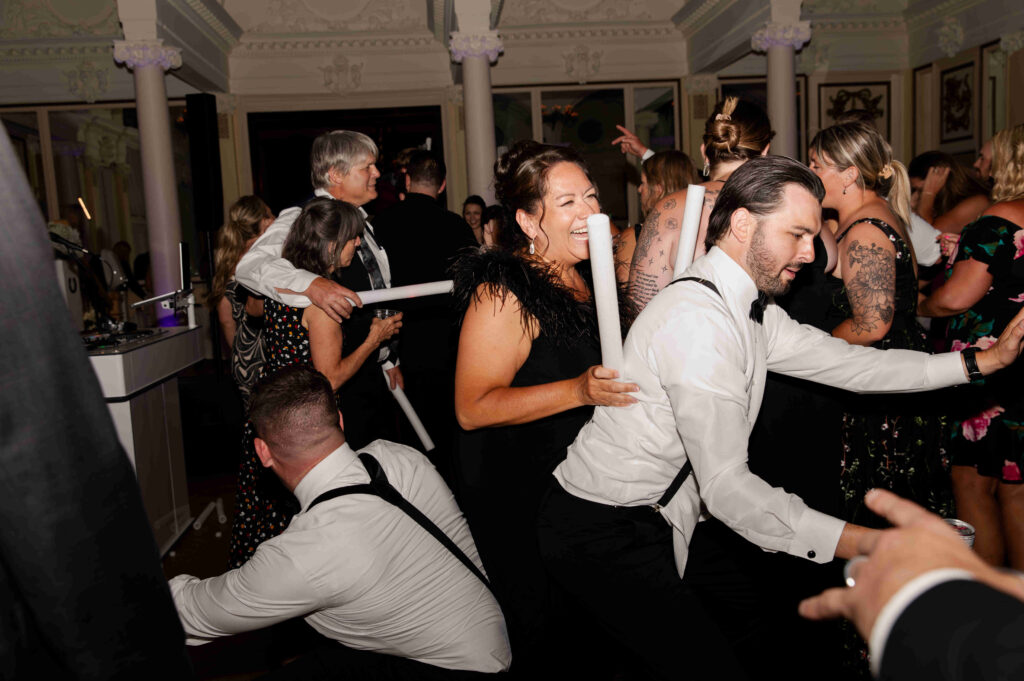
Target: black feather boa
point(542, 297)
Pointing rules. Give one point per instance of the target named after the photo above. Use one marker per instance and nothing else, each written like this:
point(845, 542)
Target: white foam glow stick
point(383, 295)
point(410, 413)
point(687, 245)
point(204, 515)
point(602, 265)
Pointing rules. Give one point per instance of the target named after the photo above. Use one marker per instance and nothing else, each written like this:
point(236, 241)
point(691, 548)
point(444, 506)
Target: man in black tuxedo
point(929, 607)
point(421, 238)
point(342, 166)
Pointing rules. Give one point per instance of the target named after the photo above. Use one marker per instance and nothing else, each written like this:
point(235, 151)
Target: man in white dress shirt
point(395, 602)
point(699, 352)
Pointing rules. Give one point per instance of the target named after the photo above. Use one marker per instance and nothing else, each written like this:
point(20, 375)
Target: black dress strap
point(380, 487)
point(881, 224)
point(687, 468)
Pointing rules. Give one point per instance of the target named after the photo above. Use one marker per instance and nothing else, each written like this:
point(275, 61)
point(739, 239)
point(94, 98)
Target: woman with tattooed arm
point(736, 132)
point(895, 444)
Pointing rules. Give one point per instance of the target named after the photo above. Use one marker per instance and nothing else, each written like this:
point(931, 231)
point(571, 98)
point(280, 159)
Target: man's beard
point(765, 267)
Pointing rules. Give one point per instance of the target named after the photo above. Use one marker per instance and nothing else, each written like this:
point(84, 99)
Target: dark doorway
point(279, 145)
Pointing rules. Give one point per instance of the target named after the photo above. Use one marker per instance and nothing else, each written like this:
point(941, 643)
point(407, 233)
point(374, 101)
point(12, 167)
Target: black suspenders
point(687, 468)
point(379, 486)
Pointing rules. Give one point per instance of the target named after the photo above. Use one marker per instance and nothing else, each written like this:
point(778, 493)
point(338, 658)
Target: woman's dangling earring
point(844, 191)
point(531, 247)
point(707, 168)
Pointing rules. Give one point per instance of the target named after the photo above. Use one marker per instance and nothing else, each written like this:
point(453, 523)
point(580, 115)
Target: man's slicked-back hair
point(339, 149)
point(758, 186)
point(293, 407)
point(426, 168)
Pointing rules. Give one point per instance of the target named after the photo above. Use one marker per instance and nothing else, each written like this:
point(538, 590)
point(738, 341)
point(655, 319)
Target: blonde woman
point(886, 442)
point(240, 311)
point(985, 290)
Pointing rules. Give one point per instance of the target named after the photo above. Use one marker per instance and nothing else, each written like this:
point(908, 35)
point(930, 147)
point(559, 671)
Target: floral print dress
point(894, 442)
point(263, 506)
point(988, 431)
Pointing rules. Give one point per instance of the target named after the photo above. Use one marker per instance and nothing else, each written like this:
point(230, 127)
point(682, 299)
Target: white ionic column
point(476, 52)
point(149, 59)
point(781, 41)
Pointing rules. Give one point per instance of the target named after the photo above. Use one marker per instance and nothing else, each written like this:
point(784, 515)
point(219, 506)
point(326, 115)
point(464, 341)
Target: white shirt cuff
point(816, 536)
point(898, 603)
point(945, 369)
point(647, 155)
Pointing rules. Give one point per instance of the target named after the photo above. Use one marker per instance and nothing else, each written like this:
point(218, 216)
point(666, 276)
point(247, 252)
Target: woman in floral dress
point(984, 291)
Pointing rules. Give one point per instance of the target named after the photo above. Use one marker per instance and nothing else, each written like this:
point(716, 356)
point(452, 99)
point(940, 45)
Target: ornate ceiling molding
point(40, 19)
point(534, 12)
point(951, 36)
point(938, 11)
point(846, 25)
point(691, 20)
point(793, 35)
point(343, 74)
point(582, 63)
point(226, 34)
point(61, 52)
point(295, 16)
point(87, 81)
point(812, 8)
point(254, 46)
point(646, 32)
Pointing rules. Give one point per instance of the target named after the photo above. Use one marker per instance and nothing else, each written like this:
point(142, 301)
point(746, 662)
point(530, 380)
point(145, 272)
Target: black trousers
point(335, 662)
point(618, 563)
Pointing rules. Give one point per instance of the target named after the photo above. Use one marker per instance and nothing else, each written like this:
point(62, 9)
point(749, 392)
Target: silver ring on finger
point(848, 576)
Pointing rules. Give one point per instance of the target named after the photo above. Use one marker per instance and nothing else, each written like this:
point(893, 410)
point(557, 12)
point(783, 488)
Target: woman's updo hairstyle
point(520, 182)
point(737, 130)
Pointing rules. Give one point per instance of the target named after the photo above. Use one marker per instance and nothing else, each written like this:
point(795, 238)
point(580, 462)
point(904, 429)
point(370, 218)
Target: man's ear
point(742, 224)
point(263, 451)
point(444, 183)
point(408, 181)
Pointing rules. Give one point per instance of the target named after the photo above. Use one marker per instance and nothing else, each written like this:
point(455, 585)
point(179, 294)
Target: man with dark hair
point(618, 525)
point(361, 570)
point(422, 238)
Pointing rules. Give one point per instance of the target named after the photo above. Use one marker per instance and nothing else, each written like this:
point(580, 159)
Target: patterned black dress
point(987, 431)
point(247, 352)
point(263, 506)
point(895, 442)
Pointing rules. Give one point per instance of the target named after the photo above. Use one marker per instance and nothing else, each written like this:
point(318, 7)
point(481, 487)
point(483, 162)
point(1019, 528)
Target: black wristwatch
point(971, 362)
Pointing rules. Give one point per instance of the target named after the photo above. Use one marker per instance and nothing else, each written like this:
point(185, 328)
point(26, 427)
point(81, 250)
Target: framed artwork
point(755, 90)
point(835, 99)
point(992, 88)
point(957, 92)
point(924, 123)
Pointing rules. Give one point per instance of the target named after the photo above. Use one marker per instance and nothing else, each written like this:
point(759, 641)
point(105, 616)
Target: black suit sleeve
point(957, 631)
point(82, 592)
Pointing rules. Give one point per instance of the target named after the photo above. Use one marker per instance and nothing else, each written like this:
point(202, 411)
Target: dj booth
point(137, 372)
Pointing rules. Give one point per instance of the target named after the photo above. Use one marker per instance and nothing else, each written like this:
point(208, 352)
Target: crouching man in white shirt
point(616, 527)
point(394, 600)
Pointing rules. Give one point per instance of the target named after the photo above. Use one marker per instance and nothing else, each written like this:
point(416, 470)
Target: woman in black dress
point(323, 239)
point(528, 372)
point(239, 310)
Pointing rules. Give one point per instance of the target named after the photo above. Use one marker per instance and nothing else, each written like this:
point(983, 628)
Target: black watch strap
point(971, 362)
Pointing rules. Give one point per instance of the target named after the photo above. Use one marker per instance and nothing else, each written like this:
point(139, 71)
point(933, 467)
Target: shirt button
point(811, 554)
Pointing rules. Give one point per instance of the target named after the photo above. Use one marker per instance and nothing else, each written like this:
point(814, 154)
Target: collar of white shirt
point(735, 285)
point(325, 475)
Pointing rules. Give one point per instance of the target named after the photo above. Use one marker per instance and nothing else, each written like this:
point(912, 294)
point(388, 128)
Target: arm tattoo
point(647, 234)
point(872, 289)
point(642, 288)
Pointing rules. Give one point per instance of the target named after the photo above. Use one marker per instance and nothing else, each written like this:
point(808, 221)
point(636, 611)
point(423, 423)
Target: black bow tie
point(757, 307)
